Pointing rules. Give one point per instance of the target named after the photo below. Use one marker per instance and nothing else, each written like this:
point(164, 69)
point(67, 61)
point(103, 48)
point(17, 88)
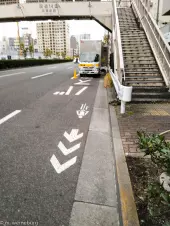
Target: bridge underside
point(99, 11)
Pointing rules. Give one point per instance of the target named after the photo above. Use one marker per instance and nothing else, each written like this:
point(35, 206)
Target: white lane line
point(69, 90)
point(52, 67)
point(38, 76)
point(18, 73)
point(82, 90)
point(69, 67)
point(9, 116)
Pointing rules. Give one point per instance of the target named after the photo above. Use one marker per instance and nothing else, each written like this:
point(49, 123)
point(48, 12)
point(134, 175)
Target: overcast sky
point(76, 28)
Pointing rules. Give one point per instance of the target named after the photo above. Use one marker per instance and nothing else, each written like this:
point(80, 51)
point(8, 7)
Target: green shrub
point(8, 64)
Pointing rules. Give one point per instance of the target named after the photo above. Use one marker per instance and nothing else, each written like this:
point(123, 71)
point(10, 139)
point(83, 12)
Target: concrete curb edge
point(127, 203)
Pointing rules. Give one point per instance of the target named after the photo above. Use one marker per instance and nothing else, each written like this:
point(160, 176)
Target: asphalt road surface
point(44, 121)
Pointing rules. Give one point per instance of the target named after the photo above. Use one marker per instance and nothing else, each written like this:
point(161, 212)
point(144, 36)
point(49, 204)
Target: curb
point(127, 202)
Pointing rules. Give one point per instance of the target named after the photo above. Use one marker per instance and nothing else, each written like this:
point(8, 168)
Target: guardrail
point(124, 3)
point(159, 46)
point(9, 2)
point(124, 93)
point(117, 46)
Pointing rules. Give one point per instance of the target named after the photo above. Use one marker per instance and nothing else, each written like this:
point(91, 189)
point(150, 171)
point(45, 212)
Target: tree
point(106, 39)
point(63, 54)
point(25, 52)
point(47, 53)
point(31, 50)
point(22, 46)
point(57, 54)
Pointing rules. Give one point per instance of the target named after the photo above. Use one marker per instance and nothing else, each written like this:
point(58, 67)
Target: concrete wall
point(166, 7)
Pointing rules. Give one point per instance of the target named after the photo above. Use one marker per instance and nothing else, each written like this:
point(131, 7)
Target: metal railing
point(117, 46)
point(159, 46)
point(9, 2)
point(123, 3)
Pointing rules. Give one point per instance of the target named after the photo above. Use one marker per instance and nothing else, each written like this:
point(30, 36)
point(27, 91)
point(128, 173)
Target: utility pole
point(157, 18)
point(18, 39)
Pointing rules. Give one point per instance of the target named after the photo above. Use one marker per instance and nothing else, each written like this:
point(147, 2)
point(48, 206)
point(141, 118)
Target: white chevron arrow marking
point(66, 151)
point(73, 135)
point(60, 168)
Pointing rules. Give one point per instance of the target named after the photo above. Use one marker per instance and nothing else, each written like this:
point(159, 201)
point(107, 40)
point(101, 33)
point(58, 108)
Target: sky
point(76, 27)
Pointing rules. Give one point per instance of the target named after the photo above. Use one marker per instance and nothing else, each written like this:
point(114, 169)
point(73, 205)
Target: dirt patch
point(142, 173)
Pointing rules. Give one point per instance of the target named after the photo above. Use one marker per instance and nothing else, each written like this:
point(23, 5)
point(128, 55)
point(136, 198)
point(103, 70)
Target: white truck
point(90, 57)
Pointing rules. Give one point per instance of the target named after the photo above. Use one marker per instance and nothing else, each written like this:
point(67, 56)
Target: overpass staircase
point(142, 66)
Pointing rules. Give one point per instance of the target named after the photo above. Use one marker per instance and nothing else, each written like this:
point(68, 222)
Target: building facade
point(53, 35)
point(74, 51)
point(156, 10)
point(85, 36)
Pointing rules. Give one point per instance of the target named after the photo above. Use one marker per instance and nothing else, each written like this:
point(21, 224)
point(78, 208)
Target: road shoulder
point(96, 194)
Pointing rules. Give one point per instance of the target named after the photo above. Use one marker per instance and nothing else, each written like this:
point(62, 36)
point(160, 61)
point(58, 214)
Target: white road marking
point(69, 90)
point(69, 67)
point(83, 111)
point(61, 93)
point(56, 93)
point(18, 73)
point(80, 91)
point(9, 116)
point(60, 168)
point(66, 151)
point(52, 67)
point(73, 136)
point(38, 76)
point(83, 82)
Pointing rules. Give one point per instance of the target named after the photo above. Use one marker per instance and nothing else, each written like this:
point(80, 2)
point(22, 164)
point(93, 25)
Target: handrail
point(118, 54)
point(124, 93)
point(124, 3)
point(159, 46)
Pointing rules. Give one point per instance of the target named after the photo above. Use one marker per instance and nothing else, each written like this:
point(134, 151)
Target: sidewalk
point(104, 195)
point(152, 118)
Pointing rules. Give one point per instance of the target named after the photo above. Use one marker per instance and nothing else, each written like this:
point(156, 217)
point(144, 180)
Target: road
point(44, 121)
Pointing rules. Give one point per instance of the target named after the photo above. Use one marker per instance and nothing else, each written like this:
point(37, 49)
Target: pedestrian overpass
point(141, 54)
point(14, 10)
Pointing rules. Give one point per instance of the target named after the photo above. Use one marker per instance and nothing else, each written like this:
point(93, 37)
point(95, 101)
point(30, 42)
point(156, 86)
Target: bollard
point(75, 74)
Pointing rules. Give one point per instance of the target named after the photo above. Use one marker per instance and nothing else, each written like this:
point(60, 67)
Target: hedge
point(6, 64)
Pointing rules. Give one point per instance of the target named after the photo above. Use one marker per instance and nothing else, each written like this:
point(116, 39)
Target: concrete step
point(140, 62)
point(158, 95)
point(141, 67)
point(123, 28)
point(138, 37)
point(142, 78)
point(145, 83)
point(123, 16)
point(137, 45)
point(142, 73)
point(137, 52)
point(134, 42)
point(138, 58)
point(135, 33)
point(149, 89)
point(128, 22)
point(148, 99)
point(141, 70)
